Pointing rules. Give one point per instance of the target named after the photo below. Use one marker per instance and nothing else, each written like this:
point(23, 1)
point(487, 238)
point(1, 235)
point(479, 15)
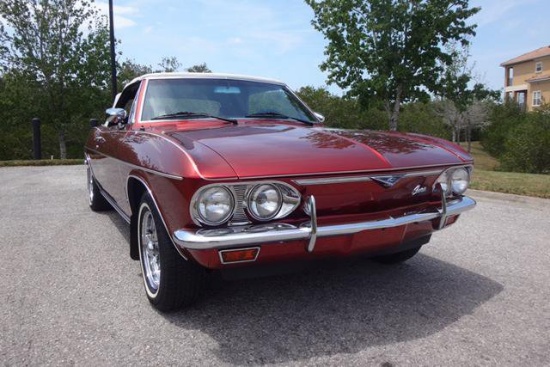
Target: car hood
point(262, 150)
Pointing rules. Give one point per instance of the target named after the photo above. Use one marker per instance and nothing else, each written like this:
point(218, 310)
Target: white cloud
point(235, 41)
point(497, 10)
point(122, 14)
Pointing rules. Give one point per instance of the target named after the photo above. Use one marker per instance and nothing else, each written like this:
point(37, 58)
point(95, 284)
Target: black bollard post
point(94, 123)
point(36, 139)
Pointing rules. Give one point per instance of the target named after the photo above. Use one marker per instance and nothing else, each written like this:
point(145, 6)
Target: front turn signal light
point(239, 255)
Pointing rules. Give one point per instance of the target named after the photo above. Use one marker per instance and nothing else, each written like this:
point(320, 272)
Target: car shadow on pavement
point(331, 308)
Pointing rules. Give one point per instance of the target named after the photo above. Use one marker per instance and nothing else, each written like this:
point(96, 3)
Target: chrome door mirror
point(116, 116)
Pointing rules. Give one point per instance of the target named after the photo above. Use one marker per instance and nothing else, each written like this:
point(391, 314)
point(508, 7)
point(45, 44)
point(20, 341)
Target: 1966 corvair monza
point(215, 171)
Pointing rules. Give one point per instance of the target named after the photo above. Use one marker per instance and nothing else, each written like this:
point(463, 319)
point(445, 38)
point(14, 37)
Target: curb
point(478, 194)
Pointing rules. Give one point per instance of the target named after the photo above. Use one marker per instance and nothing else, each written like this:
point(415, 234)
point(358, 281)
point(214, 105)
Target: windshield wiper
point(193, 115)
point(278, 116)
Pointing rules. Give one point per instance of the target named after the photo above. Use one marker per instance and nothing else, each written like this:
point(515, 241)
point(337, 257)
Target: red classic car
point(216, 171)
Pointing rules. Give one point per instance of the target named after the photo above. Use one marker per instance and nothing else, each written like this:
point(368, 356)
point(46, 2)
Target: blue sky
point(275, 39)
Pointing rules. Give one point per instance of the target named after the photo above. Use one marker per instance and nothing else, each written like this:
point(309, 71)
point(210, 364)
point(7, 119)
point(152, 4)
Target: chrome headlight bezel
point(244, 205)
point(260, 193)
point(454, 180)
point(200, 198)
point(460, 181)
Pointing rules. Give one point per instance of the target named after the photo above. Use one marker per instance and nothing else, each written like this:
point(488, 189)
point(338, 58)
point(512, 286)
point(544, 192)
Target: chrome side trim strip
point(333, 180)
point(230, 237)
point(115, 205)
point(339, 180)
point(381, 171)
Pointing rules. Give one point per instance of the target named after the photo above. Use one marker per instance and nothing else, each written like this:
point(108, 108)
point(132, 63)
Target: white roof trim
point(206, 76)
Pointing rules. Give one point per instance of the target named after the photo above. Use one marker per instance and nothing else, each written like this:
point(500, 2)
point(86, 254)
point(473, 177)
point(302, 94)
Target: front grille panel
point(239, 217)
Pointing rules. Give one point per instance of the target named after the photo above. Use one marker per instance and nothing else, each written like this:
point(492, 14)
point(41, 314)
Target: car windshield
point(192, 98)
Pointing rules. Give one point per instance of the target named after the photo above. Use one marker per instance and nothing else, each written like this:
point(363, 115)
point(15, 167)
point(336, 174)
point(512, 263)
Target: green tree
point(390, 50)
point(341, 112)
point(200, 68)
point(43, 42)
point(422, 118)
point(128, 70)
point(169, 64)
point(463, 107)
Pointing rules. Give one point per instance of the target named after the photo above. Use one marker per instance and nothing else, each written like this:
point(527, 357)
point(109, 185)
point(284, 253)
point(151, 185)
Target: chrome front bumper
point(240, 236)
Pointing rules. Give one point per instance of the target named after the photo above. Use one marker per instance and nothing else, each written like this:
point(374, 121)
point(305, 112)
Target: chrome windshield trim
point(240, 236)
point(339, 180)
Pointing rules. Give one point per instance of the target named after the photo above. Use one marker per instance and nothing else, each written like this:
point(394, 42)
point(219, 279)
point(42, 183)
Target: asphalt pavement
point(478, 294)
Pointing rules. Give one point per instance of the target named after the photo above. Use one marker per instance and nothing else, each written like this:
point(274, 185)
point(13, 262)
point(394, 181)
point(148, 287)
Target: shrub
point(503, 119)
point(527, 146)
point(422, 118)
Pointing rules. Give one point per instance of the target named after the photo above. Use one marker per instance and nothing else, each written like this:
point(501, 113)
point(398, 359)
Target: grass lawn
point(42, 162)
point(486, 178)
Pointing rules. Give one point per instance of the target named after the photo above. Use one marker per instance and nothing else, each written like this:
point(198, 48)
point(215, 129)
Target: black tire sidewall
point(181, 280)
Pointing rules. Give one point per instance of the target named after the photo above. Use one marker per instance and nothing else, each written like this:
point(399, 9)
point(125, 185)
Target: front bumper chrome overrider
point(240, 236)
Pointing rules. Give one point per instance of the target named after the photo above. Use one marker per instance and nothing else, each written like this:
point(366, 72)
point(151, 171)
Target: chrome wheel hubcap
point(90, 187)
point(150, 256)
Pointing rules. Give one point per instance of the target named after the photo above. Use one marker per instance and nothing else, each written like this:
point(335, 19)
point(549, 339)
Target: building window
point(538, 67)
point(537, 98)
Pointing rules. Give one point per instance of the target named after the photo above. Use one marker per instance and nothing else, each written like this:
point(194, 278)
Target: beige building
point(527, 78)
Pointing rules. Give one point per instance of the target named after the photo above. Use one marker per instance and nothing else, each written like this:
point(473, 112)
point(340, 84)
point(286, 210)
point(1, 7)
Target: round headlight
point(215, 205)
point(460, 179)
point(264, 202)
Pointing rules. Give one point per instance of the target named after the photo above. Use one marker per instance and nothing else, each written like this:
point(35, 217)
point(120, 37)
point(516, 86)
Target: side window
point(128, 100)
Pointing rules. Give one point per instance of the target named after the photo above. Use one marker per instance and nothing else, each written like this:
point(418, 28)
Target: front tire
point(95, 199)
point(171, 282)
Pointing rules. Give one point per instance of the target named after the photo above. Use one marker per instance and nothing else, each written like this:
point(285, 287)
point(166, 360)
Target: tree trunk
point(394, 118)
point(62, 145)
point(469, 137)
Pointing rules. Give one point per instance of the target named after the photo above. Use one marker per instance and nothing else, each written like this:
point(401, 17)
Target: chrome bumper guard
point(240, 236)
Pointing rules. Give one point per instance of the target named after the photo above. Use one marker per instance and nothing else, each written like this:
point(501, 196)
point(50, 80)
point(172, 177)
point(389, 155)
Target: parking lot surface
point(478, 294)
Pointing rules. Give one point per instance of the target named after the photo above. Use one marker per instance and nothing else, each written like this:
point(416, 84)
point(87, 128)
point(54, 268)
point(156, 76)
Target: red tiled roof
point(538, 53)
point(539, 78)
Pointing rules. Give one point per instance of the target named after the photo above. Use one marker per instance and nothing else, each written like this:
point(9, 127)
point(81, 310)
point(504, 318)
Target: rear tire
point(171, 282)
point(95, 199)
point(398, 257)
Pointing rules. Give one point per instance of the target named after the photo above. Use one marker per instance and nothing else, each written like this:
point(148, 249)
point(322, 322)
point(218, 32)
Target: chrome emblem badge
point(419, 189)
point(386, 181)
